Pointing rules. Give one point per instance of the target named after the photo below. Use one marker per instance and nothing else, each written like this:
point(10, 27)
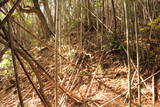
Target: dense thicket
point(129, 28)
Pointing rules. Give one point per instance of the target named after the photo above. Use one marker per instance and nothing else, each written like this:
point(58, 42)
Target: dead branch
point(127, 90)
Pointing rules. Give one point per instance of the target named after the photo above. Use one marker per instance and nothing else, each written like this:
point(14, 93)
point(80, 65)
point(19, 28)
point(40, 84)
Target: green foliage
point(143, 29)
point(99, 68)
point(111, 43)
point(27, 2)
point(84, 73)
point(6, 66)
point(97, 4)
point(16, 14)
point(157, 27)
point(29, 22)
point(154, 24)
point(1, 15)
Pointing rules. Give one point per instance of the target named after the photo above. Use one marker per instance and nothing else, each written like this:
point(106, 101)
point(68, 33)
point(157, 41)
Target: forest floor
point(98, 77)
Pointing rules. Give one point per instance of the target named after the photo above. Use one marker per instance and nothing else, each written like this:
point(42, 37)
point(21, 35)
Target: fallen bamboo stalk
point(131, 88)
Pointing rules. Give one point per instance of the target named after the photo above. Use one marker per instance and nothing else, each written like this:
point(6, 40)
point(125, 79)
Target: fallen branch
point(45, 74)
point(37, 91)
point(131, 88)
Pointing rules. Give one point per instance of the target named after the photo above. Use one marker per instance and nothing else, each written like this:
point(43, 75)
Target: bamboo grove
point(109, 25)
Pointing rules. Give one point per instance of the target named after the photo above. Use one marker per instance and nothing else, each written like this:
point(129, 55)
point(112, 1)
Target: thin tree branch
point(11, 44)
point(131, 88)
point(26, 73)
point(10, 13)
point(45, 74)
point(98, 19)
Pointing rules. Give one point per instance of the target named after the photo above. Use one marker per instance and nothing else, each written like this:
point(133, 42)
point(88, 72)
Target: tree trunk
point(49, 15)
point(44, 25)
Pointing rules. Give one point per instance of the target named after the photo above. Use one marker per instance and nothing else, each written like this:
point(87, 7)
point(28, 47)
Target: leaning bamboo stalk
point(11, 44)
point(37, 91)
